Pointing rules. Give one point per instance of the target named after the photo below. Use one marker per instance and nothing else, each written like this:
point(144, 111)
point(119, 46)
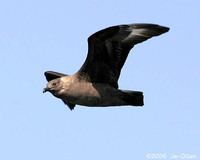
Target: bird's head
point(54, 86)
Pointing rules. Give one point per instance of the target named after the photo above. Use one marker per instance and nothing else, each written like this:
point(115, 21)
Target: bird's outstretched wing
point(109, 48)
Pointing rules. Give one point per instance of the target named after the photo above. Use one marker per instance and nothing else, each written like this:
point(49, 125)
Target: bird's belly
point(89, 94)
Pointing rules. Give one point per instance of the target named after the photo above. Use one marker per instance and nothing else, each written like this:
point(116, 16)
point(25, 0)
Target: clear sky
point(36, 36)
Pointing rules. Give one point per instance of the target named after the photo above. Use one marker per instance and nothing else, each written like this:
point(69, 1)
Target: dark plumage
point(96, 83)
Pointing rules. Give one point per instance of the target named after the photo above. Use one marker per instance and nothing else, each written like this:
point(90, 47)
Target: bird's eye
point(54, 83)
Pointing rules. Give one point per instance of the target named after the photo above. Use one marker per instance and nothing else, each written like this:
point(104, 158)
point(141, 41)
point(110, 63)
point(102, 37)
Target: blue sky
point(36, 36)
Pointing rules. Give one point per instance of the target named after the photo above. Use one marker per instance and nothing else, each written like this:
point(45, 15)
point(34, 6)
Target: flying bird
point(96, 82)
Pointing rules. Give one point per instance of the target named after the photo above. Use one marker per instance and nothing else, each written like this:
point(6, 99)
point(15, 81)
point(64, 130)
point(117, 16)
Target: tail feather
point(134, 98)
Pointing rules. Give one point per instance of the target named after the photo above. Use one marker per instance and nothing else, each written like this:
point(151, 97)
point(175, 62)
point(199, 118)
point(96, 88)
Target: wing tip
point(163, 29)
point(50, 75)
point(154, 27)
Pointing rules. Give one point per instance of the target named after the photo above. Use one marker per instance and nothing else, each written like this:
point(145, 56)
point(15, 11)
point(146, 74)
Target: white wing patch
point(137, 32)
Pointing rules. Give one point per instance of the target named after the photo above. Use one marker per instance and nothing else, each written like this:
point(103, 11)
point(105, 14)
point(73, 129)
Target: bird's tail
point(134, 98)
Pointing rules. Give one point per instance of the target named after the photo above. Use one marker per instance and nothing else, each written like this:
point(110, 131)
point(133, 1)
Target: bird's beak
point(46, 89)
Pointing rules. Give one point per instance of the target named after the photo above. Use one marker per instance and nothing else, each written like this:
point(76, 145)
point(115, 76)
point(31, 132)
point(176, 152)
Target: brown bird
point(96, 83)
